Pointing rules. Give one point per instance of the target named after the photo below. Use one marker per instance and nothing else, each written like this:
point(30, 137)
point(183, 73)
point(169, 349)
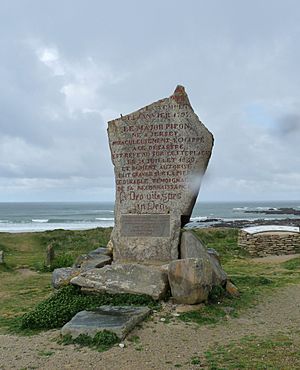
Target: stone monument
point(160, 153)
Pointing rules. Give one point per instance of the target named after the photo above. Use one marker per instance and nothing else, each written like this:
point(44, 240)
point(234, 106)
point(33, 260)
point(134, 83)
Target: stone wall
point(269, 243)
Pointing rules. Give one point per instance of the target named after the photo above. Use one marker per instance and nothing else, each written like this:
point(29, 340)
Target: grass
point(22, 286)
point(102, 341)
point(29, 293)
point(29, 249)
point(252, 279)
point(277, 351)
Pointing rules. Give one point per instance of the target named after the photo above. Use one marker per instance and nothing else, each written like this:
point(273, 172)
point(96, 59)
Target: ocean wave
point(199, 218)
point(237, 209)
point(266, 208)
point(104, 218)
point(40, 220)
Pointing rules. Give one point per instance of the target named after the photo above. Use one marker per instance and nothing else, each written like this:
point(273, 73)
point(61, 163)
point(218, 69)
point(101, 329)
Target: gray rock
point(160, 154)
point(50, 254)
point(1, 257)
point(62, 276)
point(99, 254)
point(192, 247)
point(219, 275)
point(190, 280)
point(117, 319)
point(125, 278)
point(96, 262)
point(213, 253)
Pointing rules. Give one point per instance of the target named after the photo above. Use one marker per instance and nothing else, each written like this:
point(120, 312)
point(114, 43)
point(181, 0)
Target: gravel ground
point(162, 345)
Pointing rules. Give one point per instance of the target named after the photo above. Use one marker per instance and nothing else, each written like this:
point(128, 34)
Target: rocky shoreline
point(213, 222)
point(277, 211)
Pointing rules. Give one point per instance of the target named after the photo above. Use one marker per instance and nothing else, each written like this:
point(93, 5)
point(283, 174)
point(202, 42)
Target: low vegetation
point(28, 303)
point(61, 306)
point(102, 341)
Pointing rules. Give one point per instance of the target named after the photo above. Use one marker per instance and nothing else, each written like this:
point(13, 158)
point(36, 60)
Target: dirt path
point(162, 345)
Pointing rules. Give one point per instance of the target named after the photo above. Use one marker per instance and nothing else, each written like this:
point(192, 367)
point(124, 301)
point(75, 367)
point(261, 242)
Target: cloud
point(64, 73)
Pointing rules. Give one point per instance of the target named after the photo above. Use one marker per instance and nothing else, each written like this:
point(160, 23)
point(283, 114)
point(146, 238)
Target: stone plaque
point(155, 225)
point(160, 153)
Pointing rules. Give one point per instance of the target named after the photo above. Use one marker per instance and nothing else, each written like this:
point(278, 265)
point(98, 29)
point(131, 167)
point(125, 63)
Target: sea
point(33, 217)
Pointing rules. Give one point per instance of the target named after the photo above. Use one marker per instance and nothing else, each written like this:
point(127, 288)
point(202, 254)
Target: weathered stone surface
point(192, 247)
point(110, 248)
point(62, 276)
point(213, 253)
point(50, 254)
point(125, 278)
point(160, 154)
point(265, 240)
point(95, 258)
point(190, 280)
point(1, 257)
point(96, 262)
point(117, 319)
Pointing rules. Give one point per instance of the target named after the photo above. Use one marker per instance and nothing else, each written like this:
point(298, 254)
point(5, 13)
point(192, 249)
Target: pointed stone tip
point(180, 90)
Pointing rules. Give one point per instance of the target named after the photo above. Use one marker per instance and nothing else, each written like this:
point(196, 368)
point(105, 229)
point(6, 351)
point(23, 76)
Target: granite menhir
point(160, 154)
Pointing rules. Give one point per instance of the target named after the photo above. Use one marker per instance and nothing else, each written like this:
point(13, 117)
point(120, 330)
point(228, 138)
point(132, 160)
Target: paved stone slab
point(117, 319)
point(160, 154)
point(125, 278)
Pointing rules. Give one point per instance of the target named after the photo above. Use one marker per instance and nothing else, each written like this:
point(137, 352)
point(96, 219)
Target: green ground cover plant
point(102, 341)
point(62, 305)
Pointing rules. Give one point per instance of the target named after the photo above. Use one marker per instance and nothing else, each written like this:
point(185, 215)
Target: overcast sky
point(69, 66)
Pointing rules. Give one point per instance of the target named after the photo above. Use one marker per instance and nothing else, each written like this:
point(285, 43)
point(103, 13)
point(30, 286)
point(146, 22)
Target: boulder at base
point(192, 247)
point(125, 278)
point(62, 276)
point(117, 319)
point(190, 280)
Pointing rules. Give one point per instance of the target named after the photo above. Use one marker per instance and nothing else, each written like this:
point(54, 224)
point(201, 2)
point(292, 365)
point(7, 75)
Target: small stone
point(110, 248)
point(232, 289)
point(162, 319)
point(125, 278)
point(117, 319)
point(49, 255)
point(62, 276)
point(121, 345)
point(190, 280)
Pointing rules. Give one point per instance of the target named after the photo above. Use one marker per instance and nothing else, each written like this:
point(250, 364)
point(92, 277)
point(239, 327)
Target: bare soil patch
point(160, 345)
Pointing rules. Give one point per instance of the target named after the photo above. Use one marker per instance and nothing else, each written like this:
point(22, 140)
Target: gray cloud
point(67, 67)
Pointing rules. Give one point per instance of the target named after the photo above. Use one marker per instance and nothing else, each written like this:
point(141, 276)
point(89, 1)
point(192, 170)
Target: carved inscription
point(161, 152)
point(154, 225)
